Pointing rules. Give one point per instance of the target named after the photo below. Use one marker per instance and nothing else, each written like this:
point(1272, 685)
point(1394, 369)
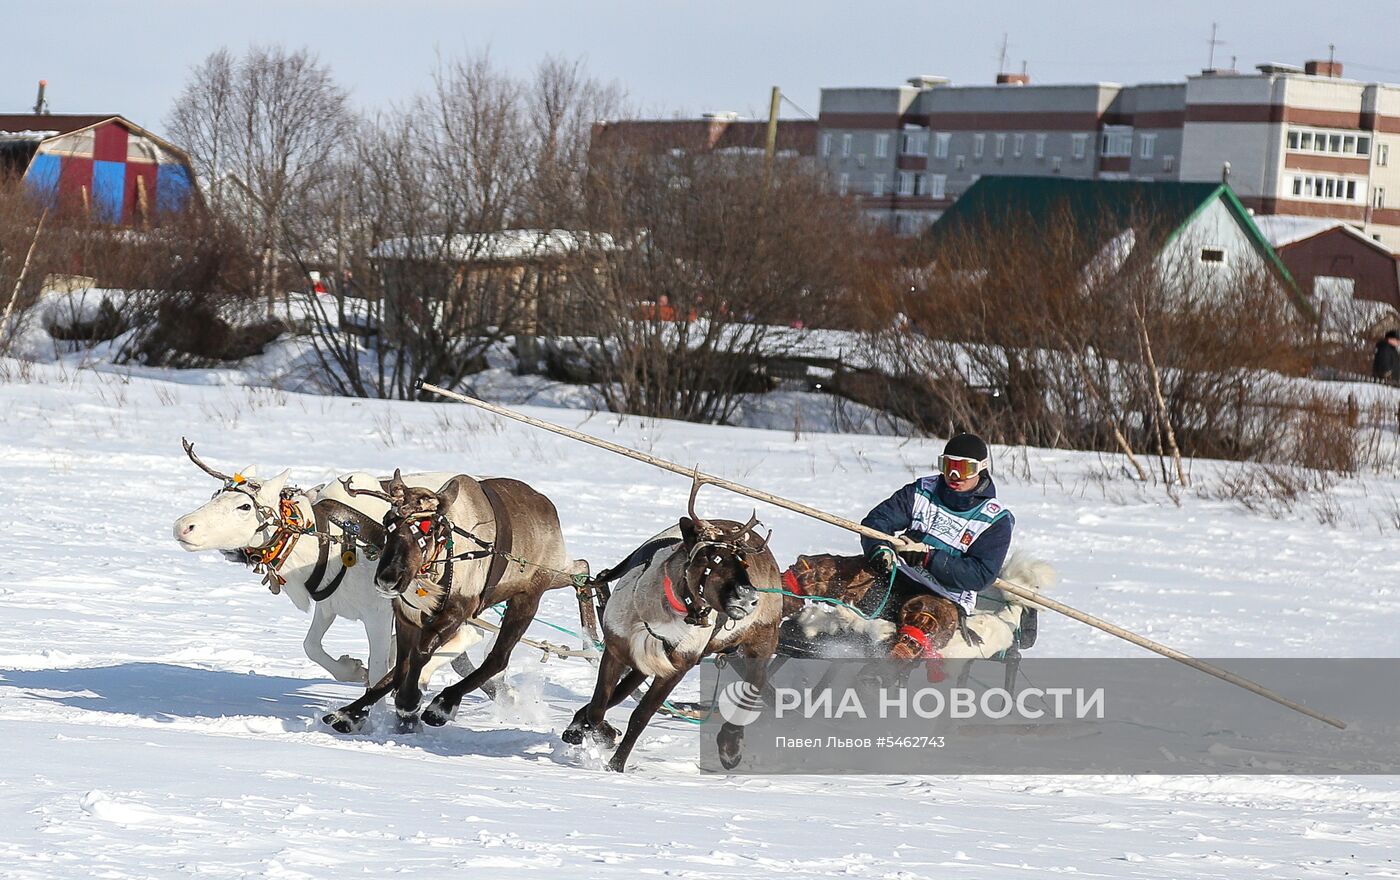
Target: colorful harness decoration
point(269, 559)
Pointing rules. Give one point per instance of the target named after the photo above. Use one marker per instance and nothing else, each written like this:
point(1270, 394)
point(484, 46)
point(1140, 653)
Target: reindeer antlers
point(748, 528)
point(375, 493)
point(690, 505)
point(189, 450)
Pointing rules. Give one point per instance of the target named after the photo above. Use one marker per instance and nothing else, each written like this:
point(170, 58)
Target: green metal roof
point(1100, 210)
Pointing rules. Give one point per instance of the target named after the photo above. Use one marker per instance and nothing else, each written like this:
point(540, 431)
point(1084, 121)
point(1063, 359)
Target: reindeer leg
point(343, 668)
point(379, 631)
point(753, 667)
point(627, 687)
point(589, 720)
point(651, 701)
point(520, 610)
point(351, 718)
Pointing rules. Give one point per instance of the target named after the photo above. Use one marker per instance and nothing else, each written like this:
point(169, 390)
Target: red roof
point(59, 122)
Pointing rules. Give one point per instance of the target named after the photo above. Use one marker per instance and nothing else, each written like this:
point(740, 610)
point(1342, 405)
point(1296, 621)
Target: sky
point(670, 57)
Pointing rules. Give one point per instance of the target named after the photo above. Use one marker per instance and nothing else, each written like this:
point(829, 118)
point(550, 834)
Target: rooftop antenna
point(1233, 60)
point(1210, 65)
point(1001, 61)
point(1331, 54)
point(41, 106)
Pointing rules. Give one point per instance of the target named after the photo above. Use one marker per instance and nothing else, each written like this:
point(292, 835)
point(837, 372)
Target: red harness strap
point(676, 604)
point(791, 584)
point(934, 665)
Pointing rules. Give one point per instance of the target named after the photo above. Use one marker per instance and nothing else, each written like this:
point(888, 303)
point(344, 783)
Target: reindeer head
point(716, 571)
point(416, 532)
point(242, 513)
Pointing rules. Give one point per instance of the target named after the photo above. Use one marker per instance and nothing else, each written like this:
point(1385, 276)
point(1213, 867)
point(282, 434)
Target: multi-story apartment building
point(1297, 141)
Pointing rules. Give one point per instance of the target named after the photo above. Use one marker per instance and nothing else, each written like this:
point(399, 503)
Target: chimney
point(1323, 68)
point(41, 106)
point(1013, 79)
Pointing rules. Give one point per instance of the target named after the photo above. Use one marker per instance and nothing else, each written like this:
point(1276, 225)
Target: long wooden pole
point(1031, 596)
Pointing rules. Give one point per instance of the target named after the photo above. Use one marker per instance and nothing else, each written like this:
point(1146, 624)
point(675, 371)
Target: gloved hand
point(915, 557)
point(882, 563)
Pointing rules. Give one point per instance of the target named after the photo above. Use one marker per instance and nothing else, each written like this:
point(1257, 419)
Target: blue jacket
point(977, 568)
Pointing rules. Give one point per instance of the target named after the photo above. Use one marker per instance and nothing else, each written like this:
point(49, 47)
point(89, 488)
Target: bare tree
point(442, 197)
point(263, 129)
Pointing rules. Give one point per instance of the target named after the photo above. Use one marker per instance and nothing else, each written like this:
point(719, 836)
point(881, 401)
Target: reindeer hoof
point(438, 715)
point(343, 722)
point(351, 670)
point(731, 748)
point(408, 722)
point(604, 734)
point(617, 766)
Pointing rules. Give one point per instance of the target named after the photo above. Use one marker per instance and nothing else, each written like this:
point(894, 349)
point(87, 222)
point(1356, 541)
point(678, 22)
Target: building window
point(1213, 255)
point(1168, 162)
point(906, 183)
point(877, 185)
point(1018, 145)
point(1001, 146)
point(960, 162)
point(1324, 188)
point(920, 184)
point(860, 160)
point(882, 146)
point(1382, 154)
point(913, 143)
point(940, 145)
point(846, 146)
point(938, 184)
point(1080, 142)
point(1307, 140)
point(1040, 146)
point(826, 144)
point(979, 144)
point(1055, 164)
point(842, 184)
point(1149, 146)
point(1378, 197)
point(1116, 141)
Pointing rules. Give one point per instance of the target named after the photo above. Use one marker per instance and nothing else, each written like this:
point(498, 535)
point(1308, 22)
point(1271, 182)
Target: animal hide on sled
point(827, 630)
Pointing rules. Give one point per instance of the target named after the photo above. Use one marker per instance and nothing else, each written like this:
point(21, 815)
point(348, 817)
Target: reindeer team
point(417, 558)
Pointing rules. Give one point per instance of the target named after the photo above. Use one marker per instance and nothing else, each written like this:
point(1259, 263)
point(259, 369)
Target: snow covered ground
point(158, 714)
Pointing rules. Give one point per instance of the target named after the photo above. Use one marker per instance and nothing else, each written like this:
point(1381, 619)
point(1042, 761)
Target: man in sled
point(963, 533)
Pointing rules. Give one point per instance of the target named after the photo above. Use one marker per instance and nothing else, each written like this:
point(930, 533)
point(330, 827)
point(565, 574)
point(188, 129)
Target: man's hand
point(915, 557)
point(882, 562)
point(912, 552)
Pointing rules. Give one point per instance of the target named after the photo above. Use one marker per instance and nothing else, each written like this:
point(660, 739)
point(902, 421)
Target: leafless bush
point(709, 255)
point(1068, 333)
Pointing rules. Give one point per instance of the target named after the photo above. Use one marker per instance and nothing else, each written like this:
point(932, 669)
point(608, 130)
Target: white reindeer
point(245, 520)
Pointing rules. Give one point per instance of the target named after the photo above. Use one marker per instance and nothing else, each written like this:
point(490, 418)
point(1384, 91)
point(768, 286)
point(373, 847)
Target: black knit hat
point(967, 446)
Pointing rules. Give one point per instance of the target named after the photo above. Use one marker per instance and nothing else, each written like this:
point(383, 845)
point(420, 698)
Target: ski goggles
point(955, 467)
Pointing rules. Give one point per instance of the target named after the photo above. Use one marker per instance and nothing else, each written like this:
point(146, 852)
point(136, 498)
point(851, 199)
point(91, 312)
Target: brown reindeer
point(691, 591)
point(446, 559)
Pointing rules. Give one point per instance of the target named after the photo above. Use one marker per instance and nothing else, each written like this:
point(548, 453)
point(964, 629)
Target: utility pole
point(1001, 59)
point(771, 146)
